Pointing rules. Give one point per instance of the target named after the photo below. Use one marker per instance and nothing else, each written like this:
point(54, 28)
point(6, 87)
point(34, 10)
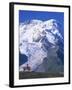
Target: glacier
point(39, 42)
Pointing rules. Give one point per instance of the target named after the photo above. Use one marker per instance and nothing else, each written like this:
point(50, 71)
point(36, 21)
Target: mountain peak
point(32, 41)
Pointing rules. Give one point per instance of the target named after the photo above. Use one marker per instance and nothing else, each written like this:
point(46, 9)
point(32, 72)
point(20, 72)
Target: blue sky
point(41, 15)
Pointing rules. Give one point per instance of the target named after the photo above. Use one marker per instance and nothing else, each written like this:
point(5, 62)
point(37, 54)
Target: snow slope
point(32, 40)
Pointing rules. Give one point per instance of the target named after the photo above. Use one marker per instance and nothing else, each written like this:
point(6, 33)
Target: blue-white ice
point(31, 36)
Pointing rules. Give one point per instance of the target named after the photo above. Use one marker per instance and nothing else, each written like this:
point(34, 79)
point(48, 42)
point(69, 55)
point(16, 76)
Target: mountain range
point(41, 46)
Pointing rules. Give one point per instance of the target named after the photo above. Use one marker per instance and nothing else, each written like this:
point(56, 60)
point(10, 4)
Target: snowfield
point(34, 36)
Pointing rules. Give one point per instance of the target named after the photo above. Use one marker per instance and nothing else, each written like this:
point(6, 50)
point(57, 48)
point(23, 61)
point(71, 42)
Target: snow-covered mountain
point(40, 41)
